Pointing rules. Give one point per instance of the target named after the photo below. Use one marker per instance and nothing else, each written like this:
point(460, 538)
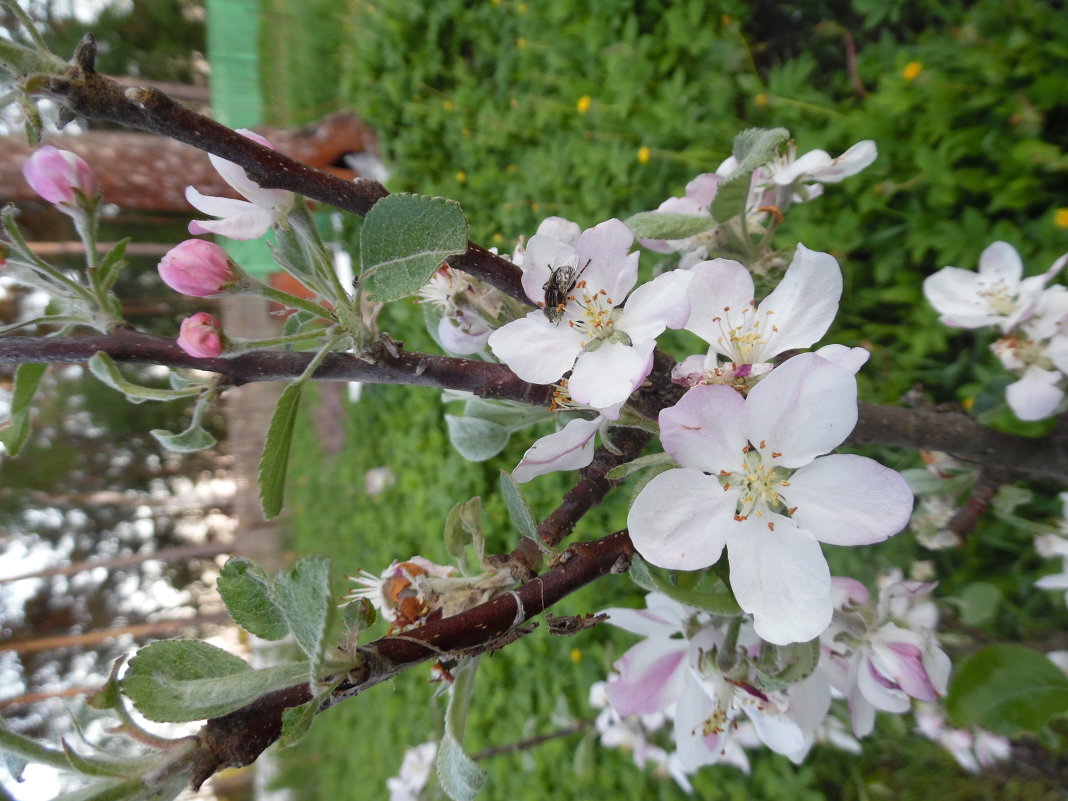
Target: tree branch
point(83, 91)
point(238, 738)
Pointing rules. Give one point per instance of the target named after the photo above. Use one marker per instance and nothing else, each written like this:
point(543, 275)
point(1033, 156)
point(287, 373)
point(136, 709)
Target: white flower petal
point(610, 267)
point(844, 499)
point(651, 676)
point(852, 359)
point(721, 290)
point(803, 305)
point(955, 295)
point(535, 349)
point(250, 224)
point(657, 304)
point(781, 578)
point(1036, 395)
point(999, 262)
point(680, 519)
point(701, 431)
point(803, 408)
point(609, 375)
point(567, 449)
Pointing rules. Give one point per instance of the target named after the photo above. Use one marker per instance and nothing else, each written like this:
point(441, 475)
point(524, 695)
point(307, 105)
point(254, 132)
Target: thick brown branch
point(238, 738)
point(1045, 458)
point(378, 367)
point(86, 93)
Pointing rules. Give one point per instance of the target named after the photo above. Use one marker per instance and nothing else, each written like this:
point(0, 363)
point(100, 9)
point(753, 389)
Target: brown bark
point(147, 172)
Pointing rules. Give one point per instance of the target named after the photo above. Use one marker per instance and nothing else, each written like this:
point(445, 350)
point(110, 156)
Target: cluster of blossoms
point(712, 680)
point(1032, 317)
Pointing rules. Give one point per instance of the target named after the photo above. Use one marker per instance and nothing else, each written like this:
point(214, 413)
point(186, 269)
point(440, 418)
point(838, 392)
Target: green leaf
point(195, 438)
point(246, 591)
point(183, 680)
point(28, 750)
point(518, 510)
point(102, 366)
point(476, 439)
point(660, 461)
point(275, 458)
point(459, 776)
point(297, 720)
point(978, 603)
point(27, 379)
point(463, 527)
point(718, 603)
point(302, 593)
point(112, 264)
point(755, 147)
point(404, 239)
point(665, 225)
point(1008, 689)
point(731, 197)
point(797, 661)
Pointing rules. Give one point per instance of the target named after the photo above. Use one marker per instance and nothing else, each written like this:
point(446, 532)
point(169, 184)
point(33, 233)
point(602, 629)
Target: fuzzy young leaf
point(275, 458)
point(302, 593)
point(755, 147)
point(475, 439)
point(731, 197)
point(246, 591)
point(297, 720)
point(27, 378)
point(1008, 689)
point(111, 266)
point(193, 439)
point(666, 225)
point(404, 239)
point(463, 527)
point(659, 461)
point(102, 366)
point(460, 777)
point(718, 603)
point(518, 510)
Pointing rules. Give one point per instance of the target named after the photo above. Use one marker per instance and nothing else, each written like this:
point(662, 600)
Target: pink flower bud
point(197, 267)
point(55, 174)
point(201, 336)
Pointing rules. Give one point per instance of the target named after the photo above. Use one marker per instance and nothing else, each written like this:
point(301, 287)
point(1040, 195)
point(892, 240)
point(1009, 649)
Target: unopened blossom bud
point(56, 175)
point(197, 267)
point(201, 336)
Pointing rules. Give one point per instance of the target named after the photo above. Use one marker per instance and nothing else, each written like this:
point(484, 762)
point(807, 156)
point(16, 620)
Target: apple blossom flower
point(201, 336)
point(571, 448)
point(608, 347)
point(789, 178)
point(724, 314)
point(752, 480)
point(973, 749)
point(876, 663)
point(465, 304)
point(197, 267)
point(239, 219)
point(60, 176)
point(995, 295)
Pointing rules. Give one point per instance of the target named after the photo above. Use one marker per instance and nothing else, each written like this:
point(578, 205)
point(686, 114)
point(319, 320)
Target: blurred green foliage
point(606, 108)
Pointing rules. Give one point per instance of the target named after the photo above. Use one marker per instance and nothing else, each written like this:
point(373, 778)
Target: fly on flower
point(558, 288)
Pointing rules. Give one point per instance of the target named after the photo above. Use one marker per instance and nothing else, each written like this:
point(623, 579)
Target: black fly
point(558, 289)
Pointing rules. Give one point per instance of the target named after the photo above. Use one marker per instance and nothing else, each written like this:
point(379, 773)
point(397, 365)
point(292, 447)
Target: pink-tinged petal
point(464, 338)
point(693, 711)
point(879, 690)
point(847, 592)
point(559, 228)
point(902, 663)
point(54, 174)
point(702, 189)
point(852, 359)
point(781, 578)
point(567, 449)
point(680, 520)
point(650, 677)
point(702, 431)
point(803, 305)
point(609, 266)
point(721, 292)
point(1036, 395)
point(201, 336)
point(803, 408)
point(844, 499)
point(535, 349)
point(543, 255)
point(657, 304)
point(609, 375)
point(1000, 263)
point(955, 295)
